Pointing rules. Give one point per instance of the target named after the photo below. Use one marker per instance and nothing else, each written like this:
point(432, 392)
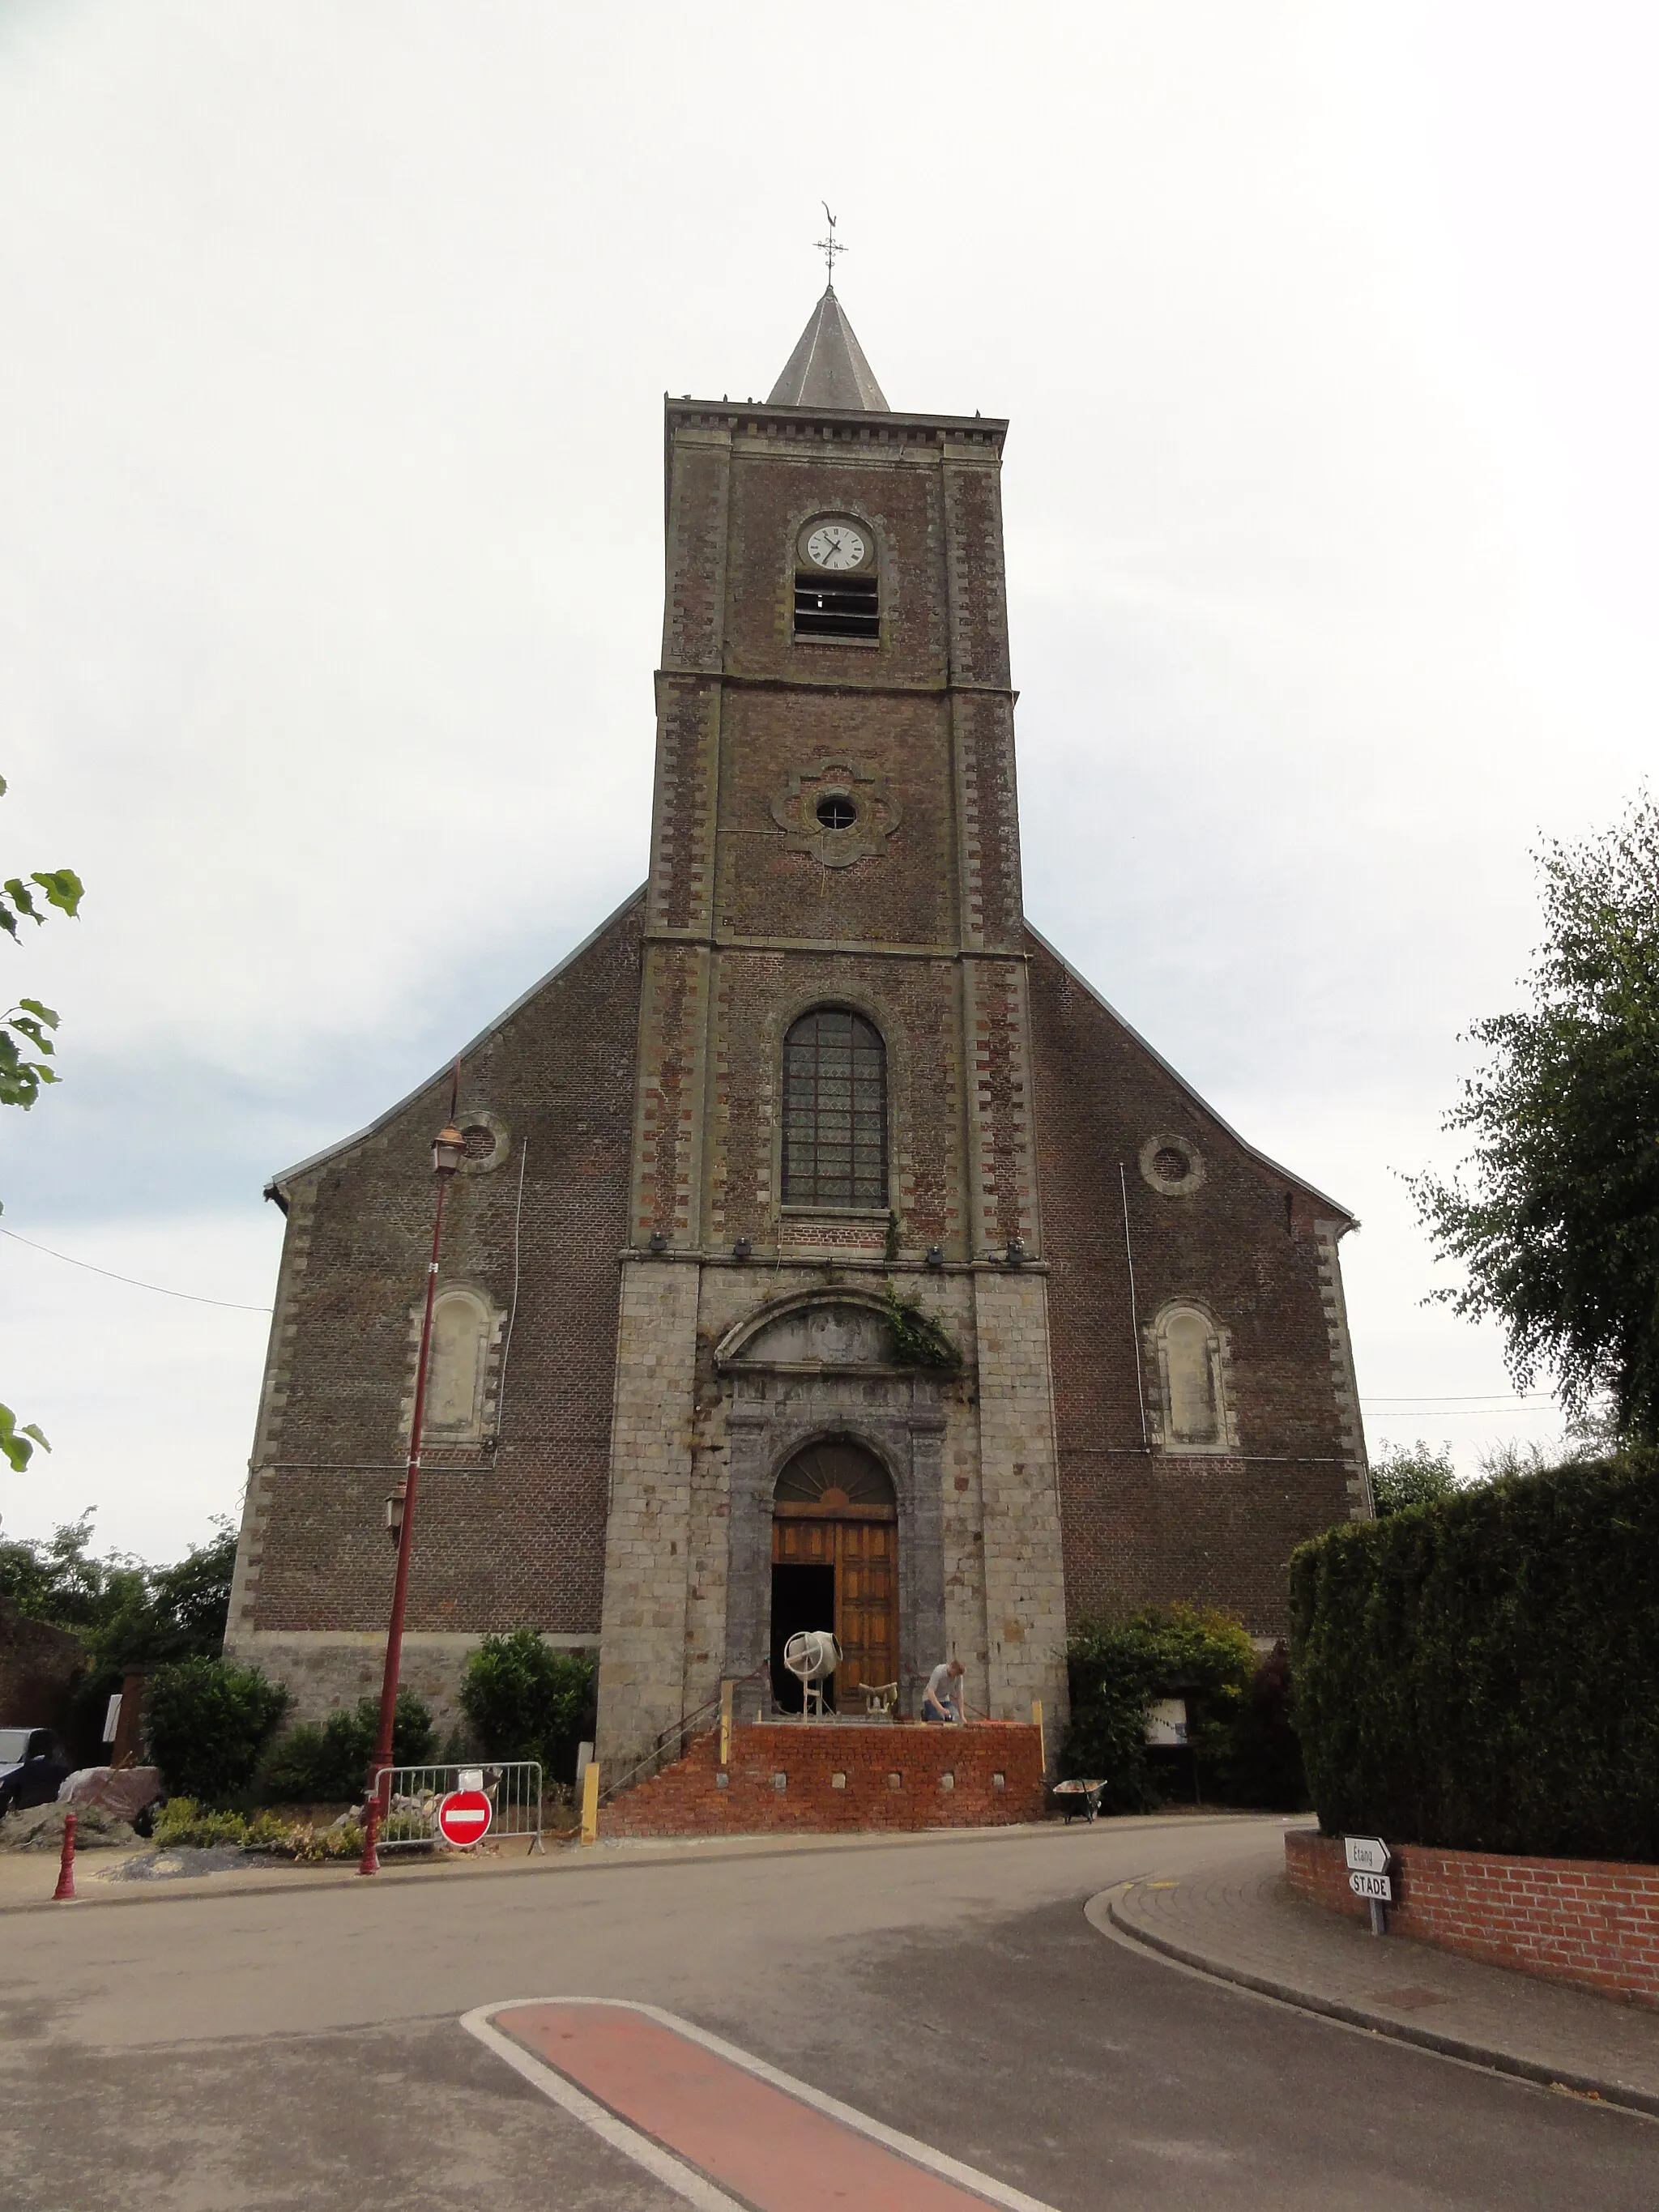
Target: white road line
point(919, 2153)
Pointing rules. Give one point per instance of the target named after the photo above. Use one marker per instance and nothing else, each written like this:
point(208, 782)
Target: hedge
point(1483, 1673)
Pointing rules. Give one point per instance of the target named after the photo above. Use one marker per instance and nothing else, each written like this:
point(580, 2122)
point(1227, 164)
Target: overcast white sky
point(335, 334)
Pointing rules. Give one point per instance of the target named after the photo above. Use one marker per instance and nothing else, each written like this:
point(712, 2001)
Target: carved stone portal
point(815, 1371)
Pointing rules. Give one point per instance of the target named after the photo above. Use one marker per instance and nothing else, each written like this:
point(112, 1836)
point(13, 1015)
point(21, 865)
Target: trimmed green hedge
point(1483, 1673)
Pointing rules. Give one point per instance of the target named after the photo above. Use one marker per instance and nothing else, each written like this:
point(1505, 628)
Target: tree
point(127, 1613)
point(1412, 1475)
point(1557, 1231)
point(26, 1047)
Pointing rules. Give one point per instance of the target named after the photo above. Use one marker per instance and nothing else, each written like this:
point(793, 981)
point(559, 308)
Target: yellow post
point(1036, 1723)
point(727, 1689)
point(591, 1803)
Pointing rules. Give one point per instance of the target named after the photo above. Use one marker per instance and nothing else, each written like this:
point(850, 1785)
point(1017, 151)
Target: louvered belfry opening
point(837, 606)
point(835, 1111)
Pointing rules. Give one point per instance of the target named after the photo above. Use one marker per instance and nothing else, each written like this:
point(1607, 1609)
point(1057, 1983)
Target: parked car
point(32, 1767)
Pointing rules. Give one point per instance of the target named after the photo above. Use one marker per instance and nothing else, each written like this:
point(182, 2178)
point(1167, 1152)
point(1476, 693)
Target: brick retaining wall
point(811, 1779)
point(1593, 1923)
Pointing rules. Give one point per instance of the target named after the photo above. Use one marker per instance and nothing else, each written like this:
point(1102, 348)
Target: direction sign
point(463, 1816)
point(1366, 1854)
point(1376, 1886)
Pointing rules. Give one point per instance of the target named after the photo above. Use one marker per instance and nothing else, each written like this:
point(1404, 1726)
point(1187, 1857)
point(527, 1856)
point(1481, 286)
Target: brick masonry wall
point(1592, 1923)
point(503, 1539)
point(1254, 1246)
point(39, 1667)
point(811, 1780)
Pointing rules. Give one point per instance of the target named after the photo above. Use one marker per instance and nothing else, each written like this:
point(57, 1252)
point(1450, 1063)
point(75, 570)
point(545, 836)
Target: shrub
point(1483, 1673)
point(208, 1722)
point(529, 1701)
point(182, 1822)
point(1117, 1668)
point(312, 1765)
point(1263, 1764)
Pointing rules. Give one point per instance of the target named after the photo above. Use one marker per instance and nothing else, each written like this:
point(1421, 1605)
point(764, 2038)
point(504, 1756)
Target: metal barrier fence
point(411, 1796)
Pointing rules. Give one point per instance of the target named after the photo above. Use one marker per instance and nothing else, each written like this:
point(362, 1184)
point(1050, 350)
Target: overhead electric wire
point(1467, 1398)
point(132, 1282)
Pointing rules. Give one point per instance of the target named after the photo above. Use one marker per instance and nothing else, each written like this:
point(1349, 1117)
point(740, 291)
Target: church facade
point(827, 1252)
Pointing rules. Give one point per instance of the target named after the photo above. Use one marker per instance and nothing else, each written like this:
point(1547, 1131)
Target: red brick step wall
point(811, 1778)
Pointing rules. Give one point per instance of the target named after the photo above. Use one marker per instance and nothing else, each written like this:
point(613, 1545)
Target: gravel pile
point(41, 1828)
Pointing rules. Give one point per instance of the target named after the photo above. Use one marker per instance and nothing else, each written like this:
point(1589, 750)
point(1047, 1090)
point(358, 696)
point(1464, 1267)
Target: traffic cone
point(66, 1889)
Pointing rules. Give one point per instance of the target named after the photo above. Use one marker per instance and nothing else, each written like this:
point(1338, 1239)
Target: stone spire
point(828, 367)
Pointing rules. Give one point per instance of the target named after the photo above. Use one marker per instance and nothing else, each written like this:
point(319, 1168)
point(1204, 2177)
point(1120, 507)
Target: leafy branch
point(26, 1050)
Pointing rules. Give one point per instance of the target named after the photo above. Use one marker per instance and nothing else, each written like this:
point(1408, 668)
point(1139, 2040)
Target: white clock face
point(836, 546)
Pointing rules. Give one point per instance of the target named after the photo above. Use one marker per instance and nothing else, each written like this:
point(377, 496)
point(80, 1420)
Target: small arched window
point(1189, 1371)
point(456, 1369)
point(835, 1111)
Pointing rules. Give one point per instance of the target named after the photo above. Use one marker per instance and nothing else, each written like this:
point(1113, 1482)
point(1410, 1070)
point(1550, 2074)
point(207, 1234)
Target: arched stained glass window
point(835, 1111)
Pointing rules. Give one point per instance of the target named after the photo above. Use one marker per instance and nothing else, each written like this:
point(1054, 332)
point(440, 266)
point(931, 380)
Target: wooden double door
point(844, 1558)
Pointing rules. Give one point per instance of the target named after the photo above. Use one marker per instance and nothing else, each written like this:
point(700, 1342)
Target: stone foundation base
point(825, 1778)
point(323, 1670)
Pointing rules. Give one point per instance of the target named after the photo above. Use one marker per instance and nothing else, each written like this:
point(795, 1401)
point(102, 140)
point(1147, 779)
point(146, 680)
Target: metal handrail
point(684, 1727)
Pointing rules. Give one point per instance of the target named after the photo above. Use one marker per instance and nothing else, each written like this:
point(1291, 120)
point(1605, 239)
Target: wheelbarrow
point(1075, 1798)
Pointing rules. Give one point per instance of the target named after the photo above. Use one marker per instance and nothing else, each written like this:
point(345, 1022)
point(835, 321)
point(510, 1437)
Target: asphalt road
point(302, 2048)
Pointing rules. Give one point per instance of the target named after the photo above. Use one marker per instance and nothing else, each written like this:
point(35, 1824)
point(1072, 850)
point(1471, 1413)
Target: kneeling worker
point(942, 1698)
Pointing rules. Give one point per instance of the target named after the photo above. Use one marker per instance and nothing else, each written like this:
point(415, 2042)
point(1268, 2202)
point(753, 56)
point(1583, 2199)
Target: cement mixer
point(813, 1655)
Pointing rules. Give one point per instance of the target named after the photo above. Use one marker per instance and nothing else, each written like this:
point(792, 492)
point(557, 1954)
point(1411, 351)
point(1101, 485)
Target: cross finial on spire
point(830, 246)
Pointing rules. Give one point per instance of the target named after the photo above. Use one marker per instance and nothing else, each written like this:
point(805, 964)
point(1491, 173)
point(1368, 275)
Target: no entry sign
point(463, 1816)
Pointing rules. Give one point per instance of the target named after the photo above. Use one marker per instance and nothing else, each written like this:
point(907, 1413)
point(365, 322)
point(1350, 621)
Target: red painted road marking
point(780, 2145)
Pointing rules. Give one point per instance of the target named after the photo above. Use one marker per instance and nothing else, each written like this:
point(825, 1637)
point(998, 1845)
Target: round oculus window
point(836, 811)
point(486, 1140)
point(1171, 1165)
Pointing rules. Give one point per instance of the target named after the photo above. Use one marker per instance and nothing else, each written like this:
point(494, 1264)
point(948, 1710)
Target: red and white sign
point(463, 1816)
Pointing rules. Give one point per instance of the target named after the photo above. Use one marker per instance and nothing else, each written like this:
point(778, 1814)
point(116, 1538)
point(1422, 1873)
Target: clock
point(836, 545)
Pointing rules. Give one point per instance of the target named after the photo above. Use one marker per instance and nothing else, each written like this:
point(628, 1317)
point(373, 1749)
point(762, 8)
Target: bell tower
point(833, 1108)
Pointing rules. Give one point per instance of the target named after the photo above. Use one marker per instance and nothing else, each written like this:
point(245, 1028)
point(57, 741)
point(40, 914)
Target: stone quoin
point(827, 1252)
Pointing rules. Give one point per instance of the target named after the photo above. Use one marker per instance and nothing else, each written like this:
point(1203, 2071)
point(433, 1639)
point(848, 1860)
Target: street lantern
point(448, 1151)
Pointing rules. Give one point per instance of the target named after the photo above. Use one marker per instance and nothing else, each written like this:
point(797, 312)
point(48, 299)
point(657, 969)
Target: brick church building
point(827, 1250)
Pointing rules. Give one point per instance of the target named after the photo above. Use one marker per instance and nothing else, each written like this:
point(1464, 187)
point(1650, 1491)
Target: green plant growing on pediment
point(918, 1340)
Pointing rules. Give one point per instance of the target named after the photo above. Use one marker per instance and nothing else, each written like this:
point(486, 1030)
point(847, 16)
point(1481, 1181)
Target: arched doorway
point(834, 1564)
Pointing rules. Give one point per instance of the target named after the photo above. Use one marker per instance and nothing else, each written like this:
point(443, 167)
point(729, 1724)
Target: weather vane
point(830, 246)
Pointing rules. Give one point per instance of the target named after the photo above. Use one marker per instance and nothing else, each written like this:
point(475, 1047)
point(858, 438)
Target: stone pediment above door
point(819, 1332)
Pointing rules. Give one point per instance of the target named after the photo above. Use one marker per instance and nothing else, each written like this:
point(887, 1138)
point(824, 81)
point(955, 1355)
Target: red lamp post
point(448, 1149)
